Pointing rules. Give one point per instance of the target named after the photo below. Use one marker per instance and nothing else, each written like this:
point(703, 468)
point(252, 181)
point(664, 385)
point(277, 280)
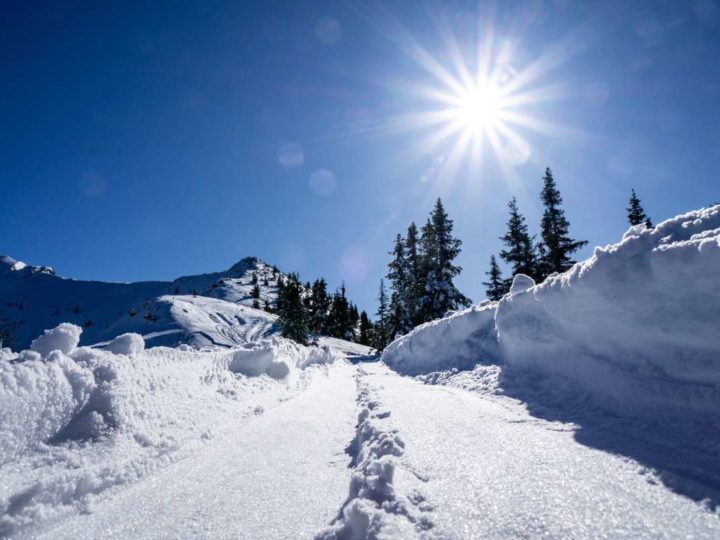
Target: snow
point(64, 338)
point(75, 424)
point(128, 344)
point(636, 326)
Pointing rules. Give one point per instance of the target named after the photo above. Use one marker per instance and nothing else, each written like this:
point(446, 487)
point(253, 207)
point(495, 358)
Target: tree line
point(419, 284)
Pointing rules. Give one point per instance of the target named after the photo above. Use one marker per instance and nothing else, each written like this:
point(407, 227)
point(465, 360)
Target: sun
point(479, 108)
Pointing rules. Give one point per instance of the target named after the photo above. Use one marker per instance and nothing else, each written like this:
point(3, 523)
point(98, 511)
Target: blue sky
point(143, 140)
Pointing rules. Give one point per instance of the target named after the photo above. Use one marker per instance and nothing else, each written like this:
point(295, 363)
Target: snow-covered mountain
point(206, 309)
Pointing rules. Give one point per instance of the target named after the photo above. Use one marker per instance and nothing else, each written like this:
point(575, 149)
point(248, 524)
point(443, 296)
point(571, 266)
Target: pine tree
point(495, 287)
point(399, 278)
point(340, 323)
point(320, 307)
point(365, 331)
point(636, 213)
point(380, 332)
point(442, 249)
point(416, 277)
point(255, 291)
point(556, 246)
point(520, 252)
point(292, 316)
point(254, 279)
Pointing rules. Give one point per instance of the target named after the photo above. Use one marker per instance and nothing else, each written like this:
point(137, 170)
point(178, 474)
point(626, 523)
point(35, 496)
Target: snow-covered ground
point(587, 406)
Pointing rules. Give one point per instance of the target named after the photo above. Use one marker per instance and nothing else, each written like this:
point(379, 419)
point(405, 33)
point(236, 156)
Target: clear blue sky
point(147, 140)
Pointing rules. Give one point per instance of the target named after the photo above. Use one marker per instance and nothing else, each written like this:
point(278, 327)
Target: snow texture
point(636, 326)
point(76, 421)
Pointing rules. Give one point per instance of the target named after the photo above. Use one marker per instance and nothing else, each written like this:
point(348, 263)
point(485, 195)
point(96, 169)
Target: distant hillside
point(205, 309)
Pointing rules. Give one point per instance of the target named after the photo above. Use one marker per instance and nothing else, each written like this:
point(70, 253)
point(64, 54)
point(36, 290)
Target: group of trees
point(309, 309)
point(552, 253)
point(420, 276)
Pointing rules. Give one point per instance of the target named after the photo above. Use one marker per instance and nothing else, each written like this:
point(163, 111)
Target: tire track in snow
point(374, 506)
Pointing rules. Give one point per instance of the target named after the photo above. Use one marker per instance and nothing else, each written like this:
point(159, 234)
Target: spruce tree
point(495, 286)
point(292, 316)
point(255, 291)
point(443, 248)
point(380, 332)
point(636, 213)
point(399, 278)
point(340, 320)
point(320, 307)
point(556, 246)
point(365, 331)
point(416, 278)
point(520, 251)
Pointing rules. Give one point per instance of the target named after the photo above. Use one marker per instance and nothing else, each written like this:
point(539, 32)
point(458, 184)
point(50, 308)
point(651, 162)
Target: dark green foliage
point(520, 251)
point(255, 292)
point(636, 213)
point(291, 313)
point(400, 300)
point(365, 330)
point(340, 320)
point(320, 306)
point(556, 245)
point(254, 279)
point(381, 334)
point(495, 286)
point(256, 303)
point(415, 275)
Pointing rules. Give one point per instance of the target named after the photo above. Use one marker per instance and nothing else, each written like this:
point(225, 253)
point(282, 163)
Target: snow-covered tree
point(495, 286)
point(556, 245)
point(520, 251)
point(636, 213)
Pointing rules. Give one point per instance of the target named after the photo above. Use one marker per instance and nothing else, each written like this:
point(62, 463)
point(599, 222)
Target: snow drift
point(76, 421)
point(637, 325)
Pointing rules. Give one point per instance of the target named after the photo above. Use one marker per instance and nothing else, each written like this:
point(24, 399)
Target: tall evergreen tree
point(442, 249)
point(520, 251)
point(556, 245)
point(340, 323)
point(495, 286)
point(292, 316)
point(255, 291)
point(320, 307)
point(636, 213)
point(399, 278)
point(416, 277)
point(380, 332)
point(365, 331)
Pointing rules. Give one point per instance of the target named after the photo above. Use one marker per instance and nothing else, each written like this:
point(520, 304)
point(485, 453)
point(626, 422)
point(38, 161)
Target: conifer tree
point(320, 307)
point(520, 251)
point(340, 323)
point(495, 286)
point(441, 250)
point(556, 246)
point(292, 315)
point(380, 332)
point(636, 213)
point(365, 331)
point(255, 291)
point(399, 278)
point(416, 277)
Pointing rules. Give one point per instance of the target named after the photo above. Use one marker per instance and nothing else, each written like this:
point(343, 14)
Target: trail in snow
point(490, 469)
point(283, 475)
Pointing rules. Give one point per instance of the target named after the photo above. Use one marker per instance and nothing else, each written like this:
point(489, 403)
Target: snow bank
point(128, 344)
point(64, 338)
point(76, 421)
point(637, 325)
point(458, 341)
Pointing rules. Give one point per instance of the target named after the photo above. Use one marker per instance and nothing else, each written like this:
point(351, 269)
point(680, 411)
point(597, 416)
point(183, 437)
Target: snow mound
point(458, 341)
point(128, 344)
point(64, 338)
point(77, 421)
point(637, 325)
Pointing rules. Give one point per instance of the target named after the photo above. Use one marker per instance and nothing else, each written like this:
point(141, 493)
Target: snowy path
point(283, 475)
point(479, 467)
